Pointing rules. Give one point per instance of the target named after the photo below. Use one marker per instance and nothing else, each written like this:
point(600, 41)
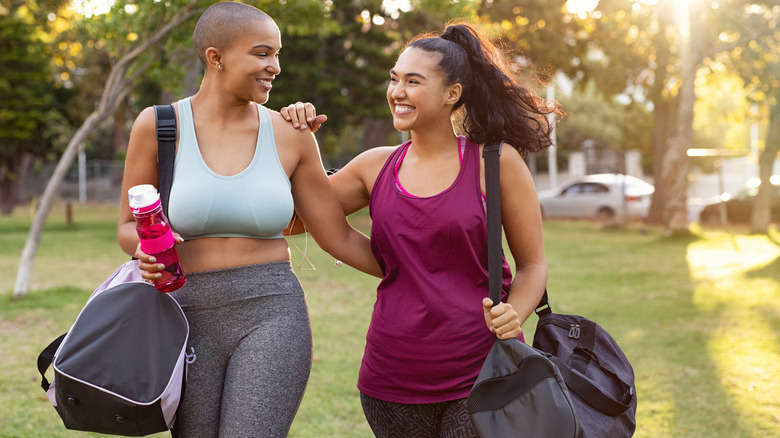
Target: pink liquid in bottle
point(156, 236)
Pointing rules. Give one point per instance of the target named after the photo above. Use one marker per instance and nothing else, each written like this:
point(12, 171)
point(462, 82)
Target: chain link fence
point(100, 181)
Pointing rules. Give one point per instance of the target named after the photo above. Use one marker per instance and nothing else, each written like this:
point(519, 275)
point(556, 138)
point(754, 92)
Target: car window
point(573, 189)
point(594, 188)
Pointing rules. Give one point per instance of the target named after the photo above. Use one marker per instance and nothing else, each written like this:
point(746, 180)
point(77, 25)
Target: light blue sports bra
point(256, 203)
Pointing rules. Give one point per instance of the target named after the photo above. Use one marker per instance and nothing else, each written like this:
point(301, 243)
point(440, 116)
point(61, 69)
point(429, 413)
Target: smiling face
point(251, 62)
point(417, 93)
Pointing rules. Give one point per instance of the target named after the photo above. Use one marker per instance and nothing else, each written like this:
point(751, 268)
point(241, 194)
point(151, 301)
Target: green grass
point(698, 317)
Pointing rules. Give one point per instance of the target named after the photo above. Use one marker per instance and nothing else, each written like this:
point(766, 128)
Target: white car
point(603, 196)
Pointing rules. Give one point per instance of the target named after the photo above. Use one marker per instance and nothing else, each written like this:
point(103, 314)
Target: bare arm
point(522, 222)
point(140, 168)
point(353, 182)
point(318, 206)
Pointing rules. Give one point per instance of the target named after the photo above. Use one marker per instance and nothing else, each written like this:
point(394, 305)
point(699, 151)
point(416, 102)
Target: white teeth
point(266, 83)
point(403, 109)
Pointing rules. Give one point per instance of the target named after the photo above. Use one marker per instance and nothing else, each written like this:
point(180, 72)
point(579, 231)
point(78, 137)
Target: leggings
point(448, 419)
point(250, 330)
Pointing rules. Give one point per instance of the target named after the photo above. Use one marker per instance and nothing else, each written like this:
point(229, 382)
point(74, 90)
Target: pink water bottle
point(156, 236)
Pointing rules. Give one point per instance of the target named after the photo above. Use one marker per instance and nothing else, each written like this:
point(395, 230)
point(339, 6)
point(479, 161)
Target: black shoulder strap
point(491, 153)
point(45, 359)
point(166, 144)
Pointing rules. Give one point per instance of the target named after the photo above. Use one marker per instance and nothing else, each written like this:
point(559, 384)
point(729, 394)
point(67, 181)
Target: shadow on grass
point(639, 286)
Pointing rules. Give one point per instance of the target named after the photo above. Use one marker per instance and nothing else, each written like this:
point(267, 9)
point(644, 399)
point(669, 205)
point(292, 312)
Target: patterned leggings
point(448, 419)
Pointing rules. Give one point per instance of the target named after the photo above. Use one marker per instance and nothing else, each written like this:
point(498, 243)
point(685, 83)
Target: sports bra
point(255, 203)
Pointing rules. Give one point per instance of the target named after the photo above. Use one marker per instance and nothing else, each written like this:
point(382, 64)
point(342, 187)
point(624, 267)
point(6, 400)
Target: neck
point(433, 142)
point(218, 108)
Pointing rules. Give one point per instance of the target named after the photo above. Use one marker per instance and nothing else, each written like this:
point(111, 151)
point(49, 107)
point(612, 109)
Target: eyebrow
point(408, 74)
point(264, 46)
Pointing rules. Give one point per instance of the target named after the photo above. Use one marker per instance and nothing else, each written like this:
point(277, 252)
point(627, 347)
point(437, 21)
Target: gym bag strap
point(166, 146)
point(108, 377)
point(596, 370)
point(519, 391)
point(165, 119)
point(584, 333)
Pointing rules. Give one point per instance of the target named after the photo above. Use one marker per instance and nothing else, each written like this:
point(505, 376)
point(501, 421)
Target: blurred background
point(679, 93)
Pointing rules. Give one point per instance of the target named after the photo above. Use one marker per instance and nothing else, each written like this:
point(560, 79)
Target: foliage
point(28, 119)
point(342, 70)
point(607, 122)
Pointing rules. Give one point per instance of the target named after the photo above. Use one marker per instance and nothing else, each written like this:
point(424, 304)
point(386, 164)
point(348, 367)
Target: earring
point(219, 66)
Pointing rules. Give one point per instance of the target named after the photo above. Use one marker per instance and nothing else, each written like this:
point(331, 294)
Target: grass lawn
point(699, 318)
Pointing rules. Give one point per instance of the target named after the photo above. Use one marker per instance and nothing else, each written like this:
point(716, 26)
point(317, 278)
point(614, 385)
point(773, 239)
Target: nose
point(396, 90)
point(275, 67)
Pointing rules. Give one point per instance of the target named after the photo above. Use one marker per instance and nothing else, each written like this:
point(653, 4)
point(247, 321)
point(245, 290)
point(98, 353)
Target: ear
point(453, 93)
point(213, 58)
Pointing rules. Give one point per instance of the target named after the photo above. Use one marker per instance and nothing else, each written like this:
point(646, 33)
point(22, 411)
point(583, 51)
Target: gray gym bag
point(121, 367)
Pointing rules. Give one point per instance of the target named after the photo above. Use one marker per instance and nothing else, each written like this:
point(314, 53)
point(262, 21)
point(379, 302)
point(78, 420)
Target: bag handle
point(591, 393)
point(165, 119)
point(491, 153)
point(166, 145)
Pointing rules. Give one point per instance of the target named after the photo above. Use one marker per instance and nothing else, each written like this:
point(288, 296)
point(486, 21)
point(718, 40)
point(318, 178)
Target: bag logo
point(574, 331)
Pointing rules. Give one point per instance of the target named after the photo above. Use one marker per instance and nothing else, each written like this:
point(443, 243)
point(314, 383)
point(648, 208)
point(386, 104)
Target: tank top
point(427, 338)
point(255, 203)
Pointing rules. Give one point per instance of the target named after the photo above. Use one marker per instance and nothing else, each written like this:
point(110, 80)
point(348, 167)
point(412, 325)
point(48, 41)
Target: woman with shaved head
point(240, 172)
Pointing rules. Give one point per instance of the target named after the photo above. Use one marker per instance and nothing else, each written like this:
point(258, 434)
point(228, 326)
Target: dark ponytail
point(496, 106)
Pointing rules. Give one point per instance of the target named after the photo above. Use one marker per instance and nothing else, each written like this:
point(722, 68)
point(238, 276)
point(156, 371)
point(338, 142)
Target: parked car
point(603, 196)
point(739, 206)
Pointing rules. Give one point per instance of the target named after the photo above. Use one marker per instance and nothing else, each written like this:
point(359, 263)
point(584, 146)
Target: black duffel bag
point(597, 372)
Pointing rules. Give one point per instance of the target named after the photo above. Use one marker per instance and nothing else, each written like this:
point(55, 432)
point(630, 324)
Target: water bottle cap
point(142, 196)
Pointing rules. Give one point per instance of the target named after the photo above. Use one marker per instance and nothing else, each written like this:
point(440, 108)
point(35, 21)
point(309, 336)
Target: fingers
point(150, 269)
point(302, 115)
point(317, 122)
point(502, 319)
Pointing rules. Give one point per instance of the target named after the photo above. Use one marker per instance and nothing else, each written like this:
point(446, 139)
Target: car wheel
point(605, 213)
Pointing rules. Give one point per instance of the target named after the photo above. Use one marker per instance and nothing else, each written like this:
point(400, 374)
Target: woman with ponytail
point(432, 324)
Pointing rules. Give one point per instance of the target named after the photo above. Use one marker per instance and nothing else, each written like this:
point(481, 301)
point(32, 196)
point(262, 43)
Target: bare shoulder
point(146, 122)
point(511, 158)
point(368, 163)
point(285, 132)
point(379, 154)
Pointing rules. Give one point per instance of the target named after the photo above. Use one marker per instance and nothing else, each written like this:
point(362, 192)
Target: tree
point(144, 39)
point(28, 114)
point(342, 72)
point(752, 35)
point(130, 64)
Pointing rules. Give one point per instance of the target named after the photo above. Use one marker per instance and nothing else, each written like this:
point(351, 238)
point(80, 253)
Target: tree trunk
point(21, 288)
point(663, 112)
point(674, 172)
point(9, 183)
point(115, 90)
point(661, 117)
point(762, 205)
point(376, 132)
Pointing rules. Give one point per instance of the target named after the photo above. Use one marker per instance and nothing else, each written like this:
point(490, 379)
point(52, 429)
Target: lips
point(265, 82)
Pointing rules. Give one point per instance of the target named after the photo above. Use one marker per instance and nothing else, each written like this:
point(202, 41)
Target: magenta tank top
point(427, 338)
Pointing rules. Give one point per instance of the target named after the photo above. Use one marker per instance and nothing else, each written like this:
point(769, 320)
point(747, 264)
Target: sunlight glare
point(88, 8)
point(581, 6)
point(734, 283)
point(395, 7)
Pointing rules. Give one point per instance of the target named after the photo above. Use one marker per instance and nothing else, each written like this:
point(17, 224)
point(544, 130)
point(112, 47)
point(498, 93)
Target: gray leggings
point(250, 330)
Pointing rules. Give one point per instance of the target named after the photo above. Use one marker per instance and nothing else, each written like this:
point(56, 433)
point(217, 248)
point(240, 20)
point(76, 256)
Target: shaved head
point(222, 23)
